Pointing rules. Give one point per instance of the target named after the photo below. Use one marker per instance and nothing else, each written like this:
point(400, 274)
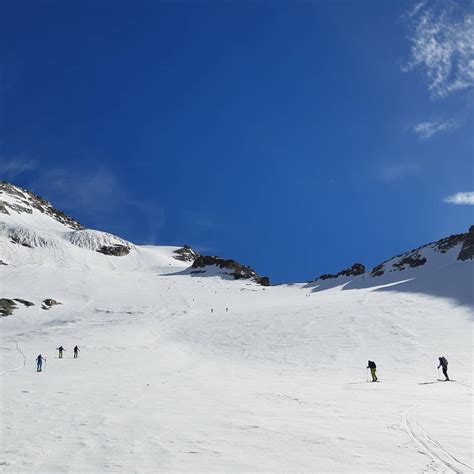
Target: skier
point(443, 362)
point(371, 365)
point(76, 350)
point(61, 349)
point(39, 363)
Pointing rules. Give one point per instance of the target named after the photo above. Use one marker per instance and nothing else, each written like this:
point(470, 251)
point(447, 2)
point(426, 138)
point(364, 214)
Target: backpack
point(444, 361)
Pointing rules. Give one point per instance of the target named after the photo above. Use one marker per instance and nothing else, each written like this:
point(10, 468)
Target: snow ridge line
point(23, 357)
point(433, 447)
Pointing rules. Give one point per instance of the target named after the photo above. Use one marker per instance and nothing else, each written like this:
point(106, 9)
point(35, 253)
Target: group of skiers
point(443, 362)
point(60, 349)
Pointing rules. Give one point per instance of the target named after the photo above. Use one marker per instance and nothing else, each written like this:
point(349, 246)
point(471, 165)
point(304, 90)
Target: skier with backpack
point(373, 367)
point(39, 363)
point(443, 362)
point(61, 349)
point(76, 351)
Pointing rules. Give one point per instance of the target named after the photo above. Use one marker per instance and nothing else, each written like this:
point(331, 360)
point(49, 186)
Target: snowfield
point(181, 372)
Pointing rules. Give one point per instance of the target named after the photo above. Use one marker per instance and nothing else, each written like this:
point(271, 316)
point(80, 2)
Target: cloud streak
point(442, 45)
point(397, 171)
point(426, 130)
point(461, 199)
point(11, 168)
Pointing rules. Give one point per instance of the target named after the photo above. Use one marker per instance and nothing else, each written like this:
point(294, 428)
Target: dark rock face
point(116, 250)
point(414, 260)
point(237, 270)
point(467, 250)
point(48, 303)
point(6, 307)
point(356, 269)
point(28, 201)
point(186, 254)
point(24, 302)
point(378, 270)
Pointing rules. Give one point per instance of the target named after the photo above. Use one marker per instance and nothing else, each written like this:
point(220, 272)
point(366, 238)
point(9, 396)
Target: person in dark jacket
point(39, 363)
point(443, 362)
point(76, 352)
point(371, 365)
point(61, 349)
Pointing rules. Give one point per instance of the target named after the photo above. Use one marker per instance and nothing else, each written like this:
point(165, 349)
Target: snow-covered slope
point(182, 371)
point(444, 268)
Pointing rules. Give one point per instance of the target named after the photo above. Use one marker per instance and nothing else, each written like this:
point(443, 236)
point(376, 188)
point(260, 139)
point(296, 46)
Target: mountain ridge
point(30, 212)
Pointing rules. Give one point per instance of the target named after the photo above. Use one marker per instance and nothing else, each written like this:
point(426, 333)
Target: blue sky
point(296, 137)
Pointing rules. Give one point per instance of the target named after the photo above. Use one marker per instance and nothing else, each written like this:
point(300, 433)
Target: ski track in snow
point(22, 355)
point(432, 447)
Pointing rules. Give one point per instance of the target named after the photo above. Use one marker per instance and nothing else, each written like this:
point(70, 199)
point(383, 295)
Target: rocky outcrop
point(49, 303)
point(467, 250)
point(415, 258)
point(412, 261)
point(26, 202)
point(186, 254)
point(356, 269)
point(7, 306)
point(231, 267)
point(24, 302)
point(116, 250)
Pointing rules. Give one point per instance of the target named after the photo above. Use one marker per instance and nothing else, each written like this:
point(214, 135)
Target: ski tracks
point(432, 447)
point(23, 358)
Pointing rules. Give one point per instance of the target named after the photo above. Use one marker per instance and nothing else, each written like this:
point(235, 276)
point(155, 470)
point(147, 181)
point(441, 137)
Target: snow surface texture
point(199, 373)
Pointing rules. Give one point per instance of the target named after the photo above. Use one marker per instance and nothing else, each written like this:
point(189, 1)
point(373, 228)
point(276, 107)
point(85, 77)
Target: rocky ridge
point(26, 201)
point(233, 268)
point(414, 258)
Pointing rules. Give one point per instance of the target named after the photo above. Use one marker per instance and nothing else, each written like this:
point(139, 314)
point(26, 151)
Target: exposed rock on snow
point(186, 254)
point(356, 269)
point(7, 306)
point(24, 302)
point(467, 250)
point(26, 202)
point(422, 255)
point(116, 250)
point(49, 302)
point(230, 267)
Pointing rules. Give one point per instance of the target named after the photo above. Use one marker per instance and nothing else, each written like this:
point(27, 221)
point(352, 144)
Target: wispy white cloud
point(396, 171)
point(10, 168)
point(426, 130)
point(90, 191)
point(442, 45)
point(461, 198)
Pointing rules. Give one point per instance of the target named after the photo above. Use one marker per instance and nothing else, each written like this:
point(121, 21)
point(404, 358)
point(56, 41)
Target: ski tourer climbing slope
point(39, 363)
point(373, 368)
point(443, 362)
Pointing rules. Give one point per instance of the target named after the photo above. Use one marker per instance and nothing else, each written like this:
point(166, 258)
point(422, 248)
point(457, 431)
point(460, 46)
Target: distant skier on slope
point(61, 349)
point(76, 351)
point(39, 363)
point(373, 367)
point(443, 362)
